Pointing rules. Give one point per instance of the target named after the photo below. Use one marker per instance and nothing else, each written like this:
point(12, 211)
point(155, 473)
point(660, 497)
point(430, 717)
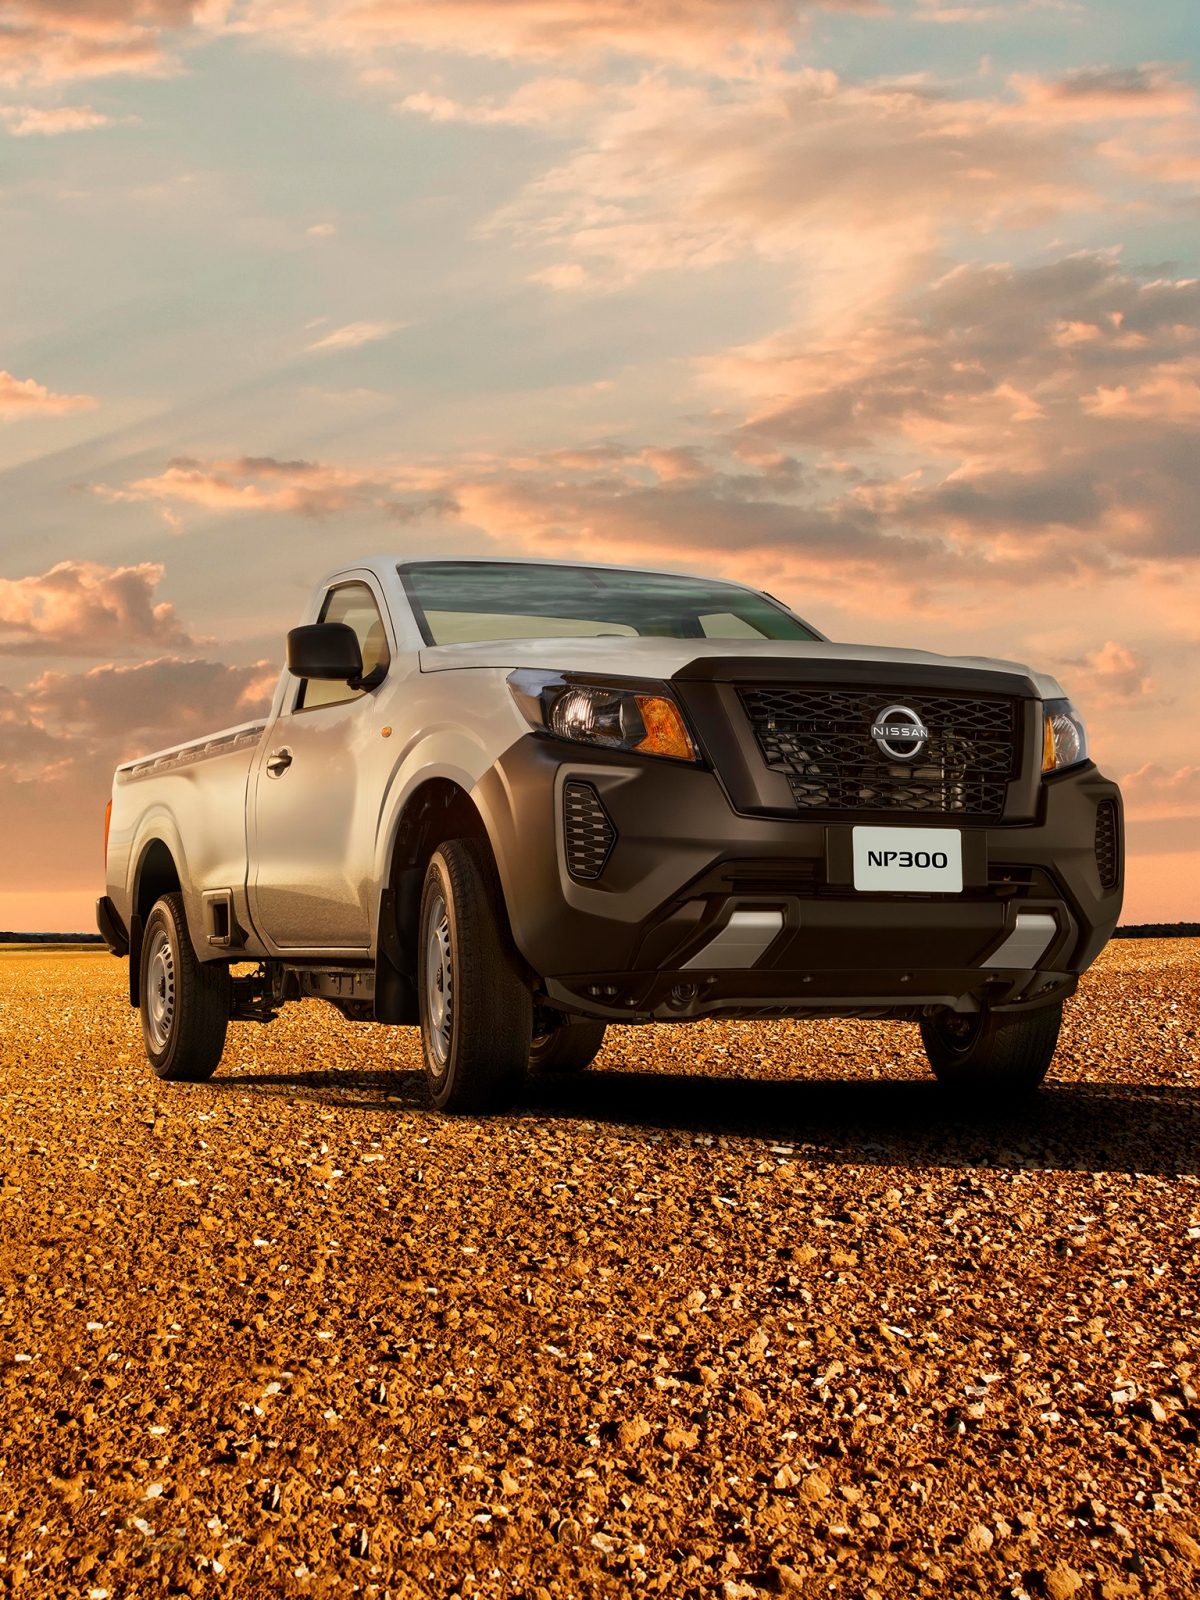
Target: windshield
point(463, 602)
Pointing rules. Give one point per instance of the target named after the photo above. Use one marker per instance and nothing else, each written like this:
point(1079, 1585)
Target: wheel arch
point(156, 872)
point(439, 807)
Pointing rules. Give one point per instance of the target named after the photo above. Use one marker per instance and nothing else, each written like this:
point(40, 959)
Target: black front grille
point(821, 740)
point(588, 834)
point(1108, 844)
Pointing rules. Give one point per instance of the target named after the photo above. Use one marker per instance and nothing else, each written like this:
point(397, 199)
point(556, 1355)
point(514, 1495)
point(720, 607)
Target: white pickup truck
point(516, 802)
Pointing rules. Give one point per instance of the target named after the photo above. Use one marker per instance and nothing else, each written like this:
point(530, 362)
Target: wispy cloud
point(309, 489)
point(850, 183)
point(62, 735)
point(537, 103)
point(1116, 674)
point(1013, 12)
point(1091, 94)
point(355, 334)
point(25, 397)
point(968, 434)
point(168, 698)
point(55, 41)
point(995, 394)
point(1155, 791)
point(717, 36)
point(49, 121)
point(858, 185)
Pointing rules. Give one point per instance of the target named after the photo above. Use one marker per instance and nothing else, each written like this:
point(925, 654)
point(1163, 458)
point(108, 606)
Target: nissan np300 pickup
point(517, 802)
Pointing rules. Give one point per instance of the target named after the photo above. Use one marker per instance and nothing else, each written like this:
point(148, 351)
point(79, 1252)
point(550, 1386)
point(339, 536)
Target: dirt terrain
point(745, 1310)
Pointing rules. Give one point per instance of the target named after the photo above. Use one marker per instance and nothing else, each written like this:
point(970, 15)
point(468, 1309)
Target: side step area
point(258, 996)
point(382, 992)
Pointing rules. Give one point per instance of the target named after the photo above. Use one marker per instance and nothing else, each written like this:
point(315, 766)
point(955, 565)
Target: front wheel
point(992, 1055)
point(184, 1002)
point(476, 1011)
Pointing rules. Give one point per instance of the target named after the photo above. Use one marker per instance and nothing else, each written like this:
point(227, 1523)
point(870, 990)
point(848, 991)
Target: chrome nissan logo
point(899, 733)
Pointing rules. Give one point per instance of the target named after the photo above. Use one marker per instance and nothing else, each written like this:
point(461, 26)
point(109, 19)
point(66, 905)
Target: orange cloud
point(952, 440)
point(542, 100)
point(1104, 94)
point(49, 41)
point(949, 444)
point(1170, 392)
point(850, 183)
point(1155, 791)
point(1147, 117)
point(23, 397)
point(82, 608)
point(299, 488)
point(723, 36)
point(1045, 413)
point(164, 700)
point(61, 739)
point(1115, 674)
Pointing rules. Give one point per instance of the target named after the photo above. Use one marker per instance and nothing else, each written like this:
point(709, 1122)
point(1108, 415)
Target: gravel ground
point(745, 1310)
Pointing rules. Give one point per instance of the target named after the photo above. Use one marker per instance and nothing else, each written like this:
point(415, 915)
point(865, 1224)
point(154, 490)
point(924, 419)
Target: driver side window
point(355, 605)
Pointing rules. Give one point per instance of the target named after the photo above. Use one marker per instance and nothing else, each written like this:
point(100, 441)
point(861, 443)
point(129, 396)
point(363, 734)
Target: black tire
point(571, 1046)
point(990, 1056)
point(476, 1010)
point(184, 1002)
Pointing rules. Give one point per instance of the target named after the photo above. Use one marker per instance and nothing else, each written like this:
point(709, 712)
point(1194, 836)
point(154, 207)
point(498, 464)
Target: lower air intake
point(1108, 844)
point(588, 833)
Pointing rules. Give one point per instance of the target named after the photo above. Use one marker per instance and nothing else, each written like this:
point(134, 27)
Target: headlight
point(1064, 737)
point(640, 717)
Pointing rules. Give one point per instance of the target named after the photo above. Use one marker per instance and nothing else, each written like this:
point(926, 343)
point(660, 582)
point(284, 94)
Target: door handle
point(278, 762)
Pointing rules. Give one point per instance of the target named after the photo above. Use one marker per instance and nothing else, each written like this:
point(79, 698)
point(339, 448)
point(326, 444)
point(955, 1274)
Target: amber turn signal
point(1049, 754)
point(666, 734)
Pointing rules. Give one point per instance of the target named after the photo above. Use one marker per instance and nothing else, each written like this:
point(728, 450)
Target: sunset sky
point(891, 308)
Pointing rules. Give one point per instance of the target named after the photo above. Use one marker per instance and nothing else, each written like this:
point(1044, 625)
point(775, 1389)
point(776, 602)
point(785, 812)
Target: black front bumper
point(684, 861)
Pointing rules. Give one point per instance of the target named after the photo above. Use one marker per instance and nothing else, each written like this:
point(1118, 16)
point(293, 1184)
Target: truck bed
point(244, 736)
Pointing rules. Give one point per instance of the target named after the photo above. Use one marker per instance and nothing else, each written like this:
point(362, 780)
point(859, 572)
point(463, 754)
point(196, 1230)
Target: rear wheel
point(570, 1046)
point(476, 1010)
point(184, 1002)
point(989, 1055)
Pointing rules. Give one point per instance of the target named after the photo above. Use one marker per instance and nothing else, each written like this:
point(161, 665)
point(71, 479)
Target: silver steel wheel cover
point(160, 988)
point(439, 980)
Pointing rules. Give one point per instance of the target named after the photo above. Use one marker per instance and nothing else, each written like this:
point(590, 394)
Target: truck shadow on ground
point(1083, 1127)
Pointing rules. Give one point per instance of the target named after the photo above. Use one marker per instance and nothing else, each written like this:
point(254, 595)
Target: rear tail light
point(107, 826)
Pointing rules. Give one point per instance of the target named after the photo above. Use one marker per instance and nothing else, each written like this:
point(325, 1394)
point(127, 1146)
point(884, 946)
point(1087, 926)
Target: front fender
point(448, 752)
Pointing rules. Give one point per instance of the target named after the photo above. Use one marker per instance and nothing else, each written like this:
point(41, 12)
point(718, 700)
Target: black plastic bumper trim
point(684, 859)
point(112, 929)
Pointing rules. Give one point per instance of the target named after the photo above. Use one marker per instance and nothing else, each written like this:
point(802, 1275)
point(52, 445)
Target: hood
point(663, 658)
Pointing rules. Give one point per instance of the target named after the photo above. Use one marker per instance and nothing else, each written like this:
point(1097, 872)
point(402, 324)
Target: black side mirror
point(327, 650)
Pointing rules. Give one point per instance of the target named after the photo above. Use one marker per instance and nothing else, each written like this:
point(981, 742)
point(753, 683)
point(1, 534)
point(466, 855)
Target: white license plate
point(913, 860)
